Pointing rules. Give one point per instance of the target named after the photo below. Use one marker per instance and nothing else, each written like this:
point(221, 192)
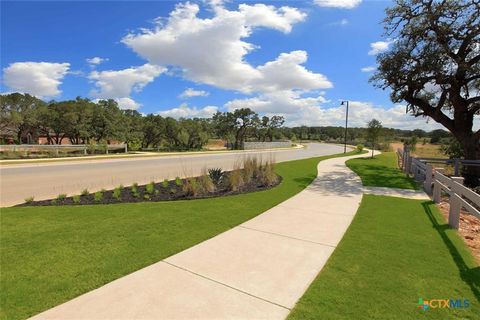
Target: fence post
point(427, 184)
point(437, 190)
point(126, 148)
point(85, 150)
point(455, 203)
point(456, 167)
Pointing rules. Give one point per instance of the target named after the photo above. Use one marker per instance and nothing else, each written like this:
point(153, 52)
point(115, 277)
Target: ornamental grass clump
point(235, 179)
point(249, 169)
point(205, 182)
point(268, 176)
point(191, 187)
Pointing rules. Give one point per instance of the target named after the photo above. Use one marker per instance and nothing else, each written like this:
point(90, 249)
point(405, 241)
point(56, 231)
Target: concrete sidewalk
point(257, 270)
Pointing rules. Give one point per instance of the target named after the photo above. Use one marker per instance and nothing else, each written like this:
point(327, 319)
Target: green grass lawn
point(381, 171)
point(52, 254)
point(394, 252)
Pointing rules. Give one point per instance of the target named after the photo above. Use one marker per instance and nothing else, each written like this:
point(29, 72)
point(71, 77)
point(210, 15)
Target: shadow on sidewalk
point(470, 275)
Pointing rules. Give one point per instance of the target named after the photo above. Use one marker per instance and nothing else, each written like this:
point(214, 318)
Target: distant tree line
point(25, 118)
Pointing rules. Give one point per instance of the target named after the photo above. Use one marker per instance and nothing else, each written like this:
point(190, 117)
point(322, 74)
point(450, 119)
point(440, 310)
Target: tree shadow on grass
point(470, 275)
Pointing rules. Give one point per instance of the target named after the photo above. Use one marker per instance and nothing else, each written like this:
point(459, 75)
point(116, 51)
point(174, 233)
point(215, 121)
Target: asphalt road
point(47, 180)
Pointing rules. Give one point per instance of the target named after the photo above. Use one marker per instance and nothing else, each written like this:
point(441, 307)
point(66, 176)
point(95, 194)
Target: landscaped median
point(52, 254)
point(397, 260)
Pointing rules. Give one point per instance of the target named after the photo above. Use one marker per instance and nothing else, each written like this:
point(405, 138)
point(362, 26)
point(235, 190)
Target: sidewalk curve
point(257, 270)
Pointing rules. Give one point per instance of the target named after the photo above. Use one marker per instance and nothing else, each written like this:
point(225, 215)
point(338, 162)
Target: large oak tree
point(434, 65)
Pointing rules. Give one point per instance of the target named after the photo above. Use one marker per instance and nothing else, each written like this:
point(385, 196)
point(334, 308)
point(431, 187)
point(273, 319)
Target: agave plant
point(215, 174)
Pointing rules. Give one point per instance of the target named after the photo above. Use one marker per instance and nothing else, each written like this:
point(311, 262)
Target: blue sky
point(295, 58)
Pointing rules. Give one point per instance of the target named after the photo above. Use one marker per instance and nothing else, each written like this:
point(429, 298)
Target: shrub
point(173, 190)
point(150, 188)
point(134, 188)
point(269, 177)
point(165, 183)
point(360, 147)
point(53, 202)
point(235, 180)
point(98, 196)
point(215, 174)
point(146, 197)
point(157, 192)
point(249, 169)
point(205, 183)
point(29, 199)
point(191, 187)
point(117, 193)
point(76, 199)
point(85, 192)
point(61, 197)
point(178, 181)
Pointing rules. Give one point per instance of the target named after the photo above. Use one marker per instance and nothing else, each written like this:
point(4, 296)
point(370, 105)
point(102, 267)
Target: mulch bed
point(469, 228)
point(174, 190)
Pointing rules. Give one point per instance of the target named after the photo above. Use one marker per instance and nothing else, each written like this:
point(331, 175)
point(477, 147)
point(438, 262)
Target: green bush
point(61, 197)
point(98, 197)
point(117, 193)
point(173, 190)
point(178, 181)
point(150, 188)
point(29, 199)
point(146, 197)
point(165, 183)
point(76, 199)
point(85, 192)
point(134, 188)
point(360, 147)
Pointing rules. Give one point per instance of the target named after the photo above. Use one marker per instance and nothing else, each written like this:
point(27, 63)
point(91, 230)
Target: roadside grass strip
point(396, 256)
point(50, 255)
point(381, 171)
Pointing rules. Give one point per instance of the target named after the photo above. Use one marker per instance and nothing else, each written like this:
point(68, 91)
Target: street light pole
point(345, 102)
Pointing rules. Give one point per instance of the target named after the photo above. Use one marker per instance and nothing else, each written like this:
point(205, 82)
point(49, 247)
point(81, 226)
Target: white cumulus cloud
point(190, 92)
point(368, 69)
point(41, 79)
point(184, 111)
point(311, 110)
point(379, 47)
point(212, 50)
point(344, 4)
point(96, 61)
point(119, 84)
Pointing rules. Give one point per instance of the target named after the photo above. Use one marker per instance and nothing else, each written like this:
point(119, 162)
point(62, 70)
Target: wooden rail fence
point(57, 147)
point(435, 183)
